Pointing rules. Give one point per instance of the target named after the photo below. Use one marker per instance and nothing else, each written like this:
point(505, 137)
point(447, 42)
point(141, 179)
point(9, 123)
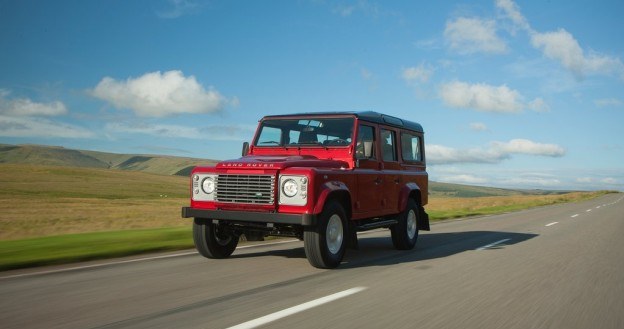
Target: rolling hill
point(181, 166)
point(59, 156)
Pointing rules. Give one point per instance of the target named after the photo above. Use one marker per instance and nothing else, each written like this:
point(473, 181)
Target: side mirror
point(245, 148)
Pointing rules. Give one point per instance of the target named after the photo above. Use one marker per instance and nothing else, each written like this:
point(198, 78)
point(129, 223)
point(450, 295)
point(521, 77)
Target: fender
point(326, 189)
point(406, 190)
point(423, 217)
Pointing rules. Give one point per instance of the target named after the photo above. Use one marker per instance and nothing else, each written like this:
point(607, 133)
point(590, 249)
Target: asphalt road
point(553, 267)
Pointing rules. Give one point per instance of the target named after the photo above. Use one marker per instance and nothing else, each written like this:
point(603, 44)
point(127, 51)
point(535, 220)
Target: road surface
point(553, 267)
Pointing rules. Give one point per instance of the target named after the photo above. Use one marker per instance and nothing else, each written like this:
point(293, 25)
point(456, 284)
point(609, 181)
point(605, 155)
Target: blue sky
point(523, 94)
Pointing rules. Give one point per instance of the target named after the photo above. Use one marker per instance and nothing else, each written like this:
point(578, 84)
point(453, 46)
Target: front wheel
point(211, 242)
point(405, 232)
point(325, 243)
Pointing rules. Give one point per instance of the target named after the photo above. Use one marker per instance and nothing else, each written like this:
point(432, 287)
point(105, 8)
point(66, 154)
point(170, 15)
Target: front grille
point(251, 189)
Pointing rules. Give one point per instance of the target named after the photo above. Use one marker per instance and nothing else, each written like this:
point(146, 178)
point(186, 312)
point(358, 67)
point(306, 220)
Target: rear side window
point(410, 147)
point(387, 145)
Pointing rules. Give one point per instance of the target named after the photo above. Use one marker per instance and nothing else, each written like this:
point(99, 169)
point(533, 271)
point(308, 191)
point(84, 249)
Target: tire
point(210, 242)
point(325, 243)
point(405, 232)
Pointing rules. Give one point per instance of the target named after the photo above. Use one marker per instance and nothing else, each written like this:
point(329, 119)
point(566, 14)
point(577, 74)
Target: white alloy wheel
point(411, 224)
point(334, 233)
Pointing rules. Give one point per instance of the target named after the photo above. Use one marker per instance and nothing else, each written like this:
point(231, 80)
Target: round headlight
point(290, 188)
point(208, 185)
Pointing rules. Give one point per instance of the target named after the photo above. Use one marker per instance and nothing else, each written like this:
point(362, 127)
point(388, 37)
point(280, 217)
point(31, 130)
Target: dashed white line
point(296, 309)
point(551, 224)
point(575, 215)
point(492, 244)
point(588, 210)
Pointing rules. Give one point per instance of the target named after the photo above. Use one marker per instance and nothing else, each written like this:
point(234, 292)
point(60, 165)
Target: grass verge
point(70, 248)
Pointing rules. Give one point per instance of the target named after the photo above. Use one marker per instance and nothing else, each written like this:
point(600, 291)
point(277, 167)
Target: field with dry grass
point(38, 201)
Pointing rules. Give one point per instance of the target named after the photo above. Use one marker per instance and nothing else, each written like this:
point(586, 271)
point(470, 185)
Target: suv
point(320, 177)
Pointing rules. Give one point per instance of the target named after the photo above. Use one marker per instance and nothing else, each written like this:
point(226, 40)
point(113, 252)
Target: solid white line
point(551, 224)
point(130, 261)
point(296, 309)
point(492, 244)
point(575, 215)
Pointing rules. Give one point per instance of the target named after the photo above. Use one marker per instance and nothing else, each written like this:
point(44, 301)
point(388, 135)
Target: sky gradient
point(519, 94)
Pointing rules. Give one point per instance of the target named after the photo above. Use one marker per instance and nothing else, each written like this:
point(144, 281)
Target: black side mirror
point(245, 148)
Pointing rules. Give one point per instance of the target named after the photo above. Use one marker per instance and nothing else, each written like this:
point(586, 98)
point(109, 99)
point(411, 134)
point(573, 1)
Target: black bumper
point(254, 217)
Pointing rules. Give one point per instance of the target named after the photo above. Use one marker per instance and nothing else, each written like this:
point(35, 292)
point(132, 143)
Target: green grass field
point(53, 215)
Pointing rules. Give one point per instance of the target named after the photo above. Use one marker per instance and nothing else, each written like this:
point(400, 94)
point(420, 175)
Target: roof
point(370, 116)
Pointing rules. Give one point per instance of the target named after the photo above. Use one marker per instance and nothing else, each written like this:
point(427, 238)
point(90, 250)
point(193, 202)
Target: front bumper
point(254, 217)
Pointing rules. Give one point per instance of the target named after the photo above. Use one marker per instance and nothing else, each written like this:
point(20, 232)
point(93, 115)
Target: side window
point(388, 142)
point(410, 147)
point(365, 143)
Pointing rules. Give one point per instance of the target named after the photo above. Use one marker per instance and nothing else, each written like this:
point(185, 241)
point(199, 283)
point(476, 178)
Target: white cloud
point(538, 105)
point(421, 73)
point(563, 47)
point(179, 8)
point(158, 94)
point(481, 97)
point(39, 127)
point(494, 153)
point(463, 179)
point(473, 35)
point(525, 146)
point(512, 11)
point(608, 102)
point(24, 107)
point(478, 126)
point(214, 132)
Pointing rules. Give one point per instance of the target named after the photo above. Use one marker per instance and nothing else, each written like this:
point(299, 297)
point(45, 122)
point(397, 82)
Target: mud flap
point(423, 220)
point(352, 241)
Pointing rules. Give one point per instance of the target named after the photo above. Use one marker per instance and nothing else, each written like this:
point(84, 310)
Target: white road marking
point(297, 309)
point(588, 210)
point(492, 244)
point(551, 224)
point(575, 215)
point(75, 268)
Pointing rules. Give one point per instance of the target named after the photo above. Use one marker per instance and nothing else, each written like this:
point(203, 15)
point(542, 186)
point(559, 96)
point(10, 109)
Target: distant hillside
point(170, 165)
point(59, 156)
point(468, 191)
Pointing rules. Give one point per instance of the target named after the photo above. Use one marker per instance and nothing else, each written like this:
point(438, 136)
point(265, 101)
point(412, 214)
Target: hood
point(281, 162)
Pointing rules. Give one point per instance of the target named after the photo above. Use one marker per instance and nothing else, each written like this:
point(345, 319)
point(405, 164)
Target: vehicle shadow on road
point(379, 251)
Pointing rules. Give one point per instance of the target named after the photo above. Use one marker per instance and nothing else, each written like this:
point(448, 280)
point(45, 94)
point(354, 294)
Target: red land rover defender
point(320, 177)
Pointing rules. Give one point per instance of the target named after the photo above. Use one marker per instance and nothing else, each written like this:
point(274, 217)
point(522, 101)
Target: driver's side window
point(365, 145)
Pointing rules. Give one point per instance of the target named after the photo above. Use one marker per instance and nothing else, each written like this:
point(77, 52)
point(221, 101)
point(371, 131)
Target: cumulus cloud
point(478, 126)
point(494, 153)
point(473, 35)
point(421, 73)
point(608, 102)
point(481, 97)
point(157, 94)
point(213, 132)
point(561, 46)
point(24, 107)
point(538, 105)
point(40, 127)
point(179, 8)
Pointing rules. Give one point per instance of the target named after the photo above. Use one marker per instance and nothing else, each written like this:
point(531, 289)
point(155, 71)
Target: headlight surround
point(293, 190)
point(208, 185)
point(290, 188)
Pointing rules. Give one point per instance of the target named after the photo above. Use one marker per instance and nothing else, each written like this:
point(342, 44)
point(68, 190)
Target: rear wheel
point(405, 232)
point(325, 243)
point(210, 241)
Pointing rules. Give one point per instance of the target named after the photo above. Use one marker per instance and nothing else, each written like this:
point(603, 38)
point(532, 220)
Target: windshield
point(308, 132)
